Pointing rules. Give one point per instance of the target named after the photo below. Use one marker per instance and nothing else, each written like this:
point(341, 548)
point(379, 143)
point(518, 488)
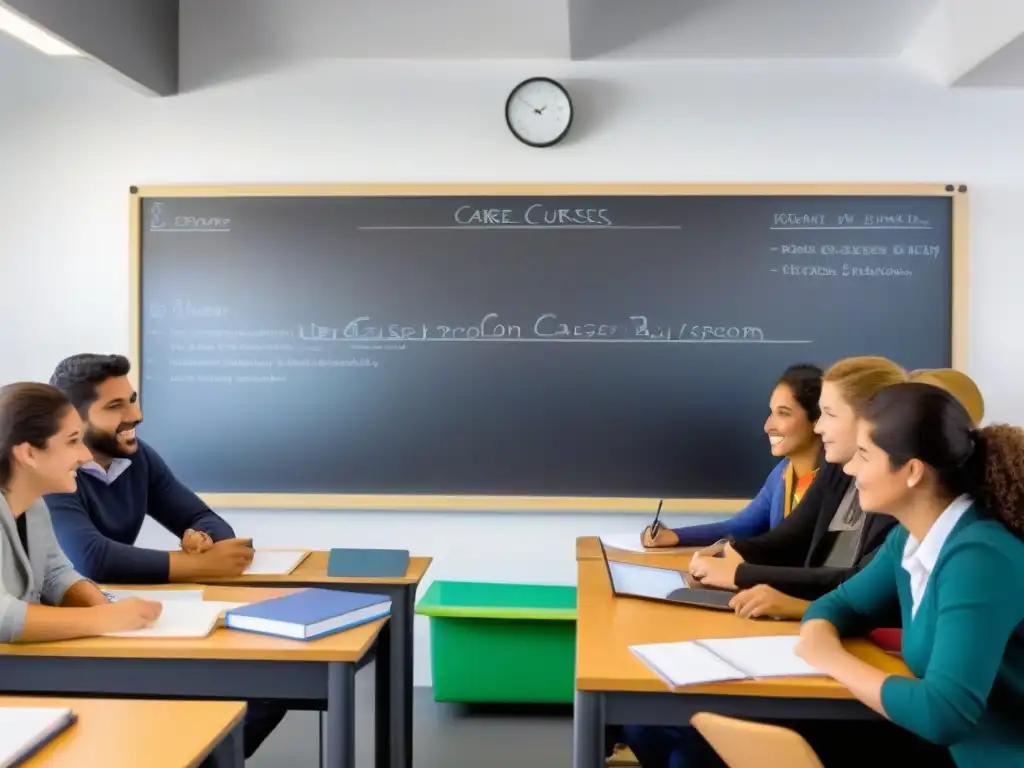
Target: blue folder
point(368, 563)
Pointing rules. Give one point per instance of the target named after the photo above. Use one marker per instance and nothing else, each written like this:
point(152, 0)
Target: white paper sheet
point(275, 562)
point(630, 542)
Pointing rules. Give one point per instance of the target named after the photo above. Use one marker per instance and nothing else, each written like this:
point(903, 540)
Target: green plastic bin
point(501, 643)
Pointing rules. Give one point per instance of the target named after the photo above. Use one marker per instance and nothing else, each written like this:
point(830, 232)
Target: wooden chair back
point(745, 744)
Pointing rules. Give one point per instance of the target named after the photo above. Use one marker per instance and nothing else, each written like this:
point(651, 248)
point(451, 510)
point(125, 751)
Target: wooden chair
point(744, 744)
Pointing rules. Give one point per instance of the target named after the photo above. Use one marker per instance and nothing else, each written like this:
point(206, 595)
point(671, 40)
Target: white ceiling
point(745, 29)
point(222, 40)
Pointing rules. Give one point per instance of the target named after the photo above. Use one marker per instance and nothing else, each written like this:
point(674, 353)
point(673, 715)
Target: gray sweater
point(40, 577)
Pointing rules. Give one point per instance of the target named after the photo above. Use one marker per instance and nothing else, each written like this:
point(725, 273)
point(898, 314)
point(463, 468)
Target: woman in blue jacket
point(790, 428)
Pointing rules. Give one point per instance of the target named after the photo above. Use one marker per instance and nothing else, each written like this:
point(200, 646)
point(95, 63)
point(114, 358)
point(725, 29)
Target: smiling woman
point(42, 597)
point(792, 414)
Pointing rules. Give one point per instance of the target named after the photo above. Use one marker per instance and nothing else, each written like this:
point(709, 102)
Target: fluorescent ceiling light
point(31, 33)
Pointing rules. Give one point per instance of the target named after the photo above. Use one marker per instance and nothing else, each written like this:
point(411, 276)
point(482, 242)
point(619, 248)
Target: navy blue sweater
point(98, 524)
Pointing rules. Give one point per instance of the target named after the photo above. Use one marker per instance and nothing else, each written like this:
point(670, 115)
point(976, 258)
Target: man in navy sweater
point(98, 524)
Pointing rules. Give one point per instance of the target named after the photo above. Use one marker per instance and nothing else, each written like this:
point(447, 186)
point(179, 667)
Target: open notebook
point(181, 619)
point(695, 662)
point(26, 730)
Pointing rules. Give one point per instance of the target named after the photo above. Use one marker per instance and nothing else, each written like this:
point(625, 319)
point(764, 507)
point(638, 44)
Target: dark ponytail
point(924, 422)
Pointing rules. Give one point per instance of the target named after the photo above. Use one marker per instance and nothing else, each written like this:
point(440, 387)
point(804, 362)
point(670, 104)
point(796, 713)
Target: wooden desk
point(614, 686)
point(589, 548)
point(318, 674)
point(126, 733)
point(395, 696)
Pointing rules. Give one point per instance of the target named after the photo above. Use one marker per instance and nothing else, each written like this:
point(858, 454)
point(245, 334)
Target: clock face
point(539, 112)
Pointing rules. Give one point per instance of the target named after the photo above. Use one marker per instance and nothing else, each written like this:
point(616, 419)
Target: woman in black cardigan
point(828, 537)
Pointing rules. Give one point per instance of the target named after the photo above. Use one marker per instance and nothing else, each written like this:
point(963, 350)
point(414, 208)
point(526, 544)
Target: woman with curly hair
point(952, 569)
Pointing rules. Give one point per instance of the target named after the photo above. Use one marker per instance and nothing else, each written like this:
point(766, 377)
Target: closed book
point(308, 613)
point(368, 563)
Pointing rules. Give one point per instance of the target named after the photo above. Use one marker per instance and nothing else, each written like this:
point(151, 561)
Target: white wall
point(71, 143)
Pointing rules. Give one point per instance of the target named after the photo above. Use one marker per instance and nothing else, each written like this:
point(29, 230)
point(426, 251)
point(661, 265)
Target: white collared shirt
point(919, 557)
point(108, 476)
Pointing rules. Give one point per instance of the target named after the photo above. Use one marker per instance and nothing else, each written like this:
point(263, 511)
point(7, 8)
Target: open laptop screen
point(644, 581)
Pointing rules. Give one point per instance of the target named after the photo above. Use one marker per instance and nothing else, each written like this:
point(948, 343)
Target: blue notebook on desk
point(368, 563)
point(308, 613)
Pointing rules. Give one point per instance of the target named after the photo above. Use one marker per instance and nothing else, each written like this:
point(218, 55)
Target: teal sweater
point(963, 645)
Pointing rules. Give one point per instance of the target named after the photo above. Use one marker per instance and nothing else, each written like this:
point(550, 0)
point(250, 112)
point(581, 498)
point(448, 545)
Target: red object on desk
point(889, 640)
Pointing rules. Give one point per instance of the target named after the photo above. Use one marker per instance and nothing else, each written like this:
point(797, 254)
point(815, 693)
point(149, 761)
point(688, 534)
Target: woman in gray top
point(42, 598)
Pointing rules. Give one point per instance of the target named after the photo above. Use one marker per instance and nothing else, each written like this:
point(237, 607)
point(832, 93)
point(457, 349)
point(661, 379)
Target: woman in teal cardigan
point(952, 570)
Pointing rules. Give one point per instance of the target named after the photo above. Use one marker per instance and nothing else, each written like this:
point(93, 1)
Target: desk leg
point(588, 731)
point(382, 699)
point(230, 753)
point(341, 715)
point(402, 614)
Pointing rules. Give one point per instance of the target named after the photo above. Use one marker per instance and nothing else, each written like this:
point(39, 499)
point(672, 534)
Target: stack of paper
point(695, 662)
point(25, 730)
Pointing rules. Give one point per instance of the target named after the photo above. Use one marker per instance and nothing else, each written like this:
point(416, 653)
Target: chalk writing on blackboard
point(547, 327)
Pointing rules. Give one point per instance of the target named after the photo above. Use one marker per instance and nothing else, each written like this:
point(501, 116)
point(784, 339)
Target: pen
point(656, 526)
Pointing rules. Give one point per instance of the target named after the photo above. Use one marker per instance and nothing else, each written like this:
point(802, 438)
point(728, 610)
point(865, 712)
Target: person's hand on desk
point(763, 600)
point(665, 537)
point(196, 542)
point(712, 550)
point(229, 557)
point(127, 615)
point(224, 559)
point(819, 644)
point(715, 571)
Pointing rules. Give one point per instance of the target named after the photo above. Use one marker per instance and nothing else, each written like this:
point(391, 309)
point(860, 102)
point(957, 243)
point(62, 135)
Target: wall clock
point(538, 112)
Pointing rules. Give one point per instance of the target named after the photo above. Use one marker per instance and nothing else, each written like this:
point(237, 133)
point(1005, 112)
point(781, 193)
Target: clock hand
point(538, 111)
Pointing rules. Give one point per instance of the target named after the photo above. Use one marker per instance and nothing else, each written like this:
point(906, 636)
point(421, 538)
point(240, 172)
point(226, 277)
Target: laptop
point(664, 585)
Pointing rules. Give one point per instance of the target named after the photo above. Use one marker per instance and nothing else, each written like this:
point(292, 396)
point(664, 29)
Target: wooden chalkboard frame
point(421, 503)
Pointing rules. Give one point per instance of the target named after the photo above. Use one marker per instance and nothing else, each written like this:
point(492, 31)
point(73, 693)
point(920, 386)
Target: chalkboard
point(585, 346)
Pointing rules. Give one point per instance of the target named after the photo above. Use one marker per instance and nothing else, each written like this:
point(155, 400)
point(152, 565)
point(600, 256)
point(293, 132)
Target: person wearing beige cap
point(958, 384)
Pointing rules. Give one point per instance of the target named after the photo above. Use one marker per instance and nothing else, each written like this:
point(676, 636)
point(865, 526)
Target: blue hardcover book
point(308, 613)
